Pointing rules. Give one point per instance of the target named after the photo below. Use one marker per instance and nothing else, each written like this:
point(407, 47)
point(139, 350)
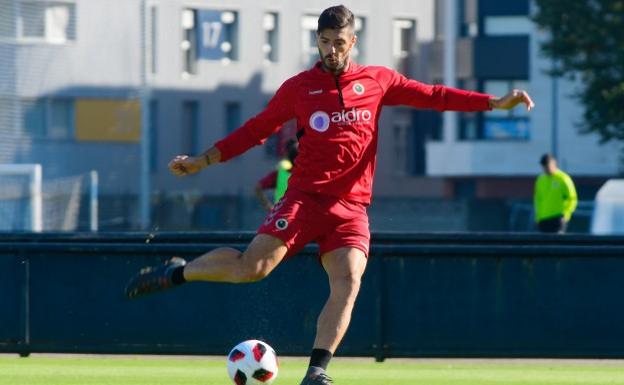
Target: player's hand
point(512, 99)
point(183, 165)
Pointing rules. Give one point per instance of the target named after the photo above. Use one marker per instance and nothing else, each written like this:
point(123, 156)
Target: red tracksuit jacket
point(339, 116)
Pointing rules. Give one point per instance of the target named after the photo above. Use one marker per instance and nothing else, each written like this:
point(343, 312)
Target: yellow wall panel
point(108, 120)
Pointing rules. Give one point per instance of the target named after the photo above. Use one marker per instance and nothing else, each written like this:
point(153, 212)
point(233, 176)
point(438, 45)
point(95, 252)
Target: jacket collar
point(318, 69)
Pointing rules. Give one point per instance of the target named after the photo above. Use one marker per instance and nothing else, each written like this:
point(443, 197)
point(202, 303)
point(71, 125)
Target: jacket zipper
point(340, 98)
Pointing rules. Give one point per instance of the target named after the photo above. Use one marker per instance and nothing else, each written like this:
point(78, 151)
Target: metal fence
point(424, 295)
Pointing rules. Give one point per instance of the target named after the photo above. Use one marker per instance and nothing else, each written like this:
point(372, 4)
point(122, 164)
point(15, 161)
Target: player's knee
point(257, 274)
point(252, 271)
point(347, 285)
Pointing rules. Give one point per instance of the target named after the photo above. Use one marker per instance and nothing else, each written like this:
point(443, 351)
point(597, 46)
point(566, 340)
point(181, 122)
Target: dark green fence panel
point(453, 295)
point(553, 307)
point(12, 301)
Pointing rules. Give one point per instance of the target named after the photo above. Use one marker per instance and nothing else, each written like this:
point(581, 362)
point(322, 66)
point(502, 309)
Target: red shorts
point(300, 218)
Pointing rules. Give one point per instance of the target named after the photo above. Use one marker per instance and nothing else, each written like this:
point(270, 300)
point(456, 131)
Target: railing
point(450, 295)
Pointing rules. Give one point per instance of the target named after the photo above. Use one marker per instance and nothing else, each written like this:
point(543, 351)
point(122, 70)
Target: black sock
point(320, 358)
point(177, 276)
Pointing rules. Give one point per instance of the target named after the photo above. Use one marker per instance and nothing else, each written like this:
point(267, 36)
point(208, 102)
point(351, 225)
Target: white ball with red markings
point(252, 362)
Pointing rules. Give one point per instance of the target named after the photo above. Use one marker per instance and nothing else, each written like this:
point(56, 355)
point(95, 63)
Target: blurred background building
point(122, 86)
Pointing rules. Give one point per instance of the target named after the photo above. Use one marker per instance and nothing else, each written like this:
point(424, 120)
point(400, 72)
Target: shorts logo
point(274, 211)
point(319, 121)
point(358, 88)
point(281, 224)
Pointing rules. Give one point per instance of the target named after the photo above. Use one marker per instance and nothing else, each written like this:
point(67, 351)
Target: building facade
point(499, 49)
point(85, 82)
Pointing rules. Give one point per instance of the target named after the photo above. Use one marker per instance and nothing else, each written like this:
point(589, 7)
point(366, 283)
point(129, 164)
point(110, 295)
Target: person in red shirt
point(337, 103)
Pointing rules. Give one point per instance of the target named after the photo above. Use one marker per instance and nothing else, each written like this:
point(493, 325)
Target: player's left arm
point(570, 198)
point(399, 90)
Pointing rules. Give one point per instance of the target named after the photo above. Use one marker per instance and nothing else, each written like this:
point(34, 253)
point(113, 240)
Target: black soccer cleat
point(154, 278)
point(316, 377)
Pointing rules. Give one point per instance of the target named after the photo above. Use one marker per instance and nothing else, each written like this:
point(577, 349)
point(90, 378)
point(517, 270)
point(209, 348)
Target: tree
point(588, 43)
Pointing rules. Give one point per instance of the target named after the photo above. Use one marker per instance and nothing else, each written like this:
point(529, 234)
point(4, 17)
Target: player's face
point(335, 47)
point(550, 167)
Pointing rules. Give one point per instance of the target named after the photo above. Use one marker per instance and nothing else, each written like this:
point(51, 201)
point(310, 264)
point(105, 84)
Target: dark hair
point(546, 158)
point(336, 17)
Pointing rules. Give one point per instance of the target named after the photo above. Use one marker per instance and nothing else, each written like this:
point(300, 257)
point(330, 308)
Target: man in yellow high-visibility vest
point(555, 197)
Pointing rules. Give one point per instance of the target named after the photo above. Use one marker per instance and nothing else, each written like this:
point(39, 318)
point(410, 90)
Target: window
point(467, 13)
point(53, 22)
point(218, 35)
point(8, 117)
point(401, 128)
point(7, 18)
point(152, 47)
point(505, 124)
point(61, 119)
point(232, 116)
point(360, 32)
point(190, 127)
point(308, 40)
point(208, 35)
point(33, 117)
point(189, 42)
point(270, 23)
point(508, 25)
point(153, 135)
point(403, 43)
point(48, 118)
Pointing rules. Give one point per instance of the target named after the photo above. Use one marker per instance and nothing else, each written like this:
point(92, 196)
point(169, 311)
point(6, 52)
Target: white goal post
point(30, 203)
point(33, 172)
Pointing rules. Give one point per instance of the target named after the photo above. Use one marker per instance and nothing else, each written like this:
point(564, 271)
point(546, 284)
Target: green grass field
point(138, 370)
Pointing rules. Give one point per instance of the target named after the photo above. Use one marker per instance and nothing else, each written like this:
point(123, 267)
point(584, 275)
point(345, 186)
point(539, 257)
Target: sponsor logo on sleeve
point(281, 224)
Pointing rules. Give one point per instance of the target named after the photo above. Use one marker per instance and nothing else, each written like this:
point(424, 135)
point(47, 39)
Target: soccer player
point(278, 178)
point(337, 103)
point(555, 197)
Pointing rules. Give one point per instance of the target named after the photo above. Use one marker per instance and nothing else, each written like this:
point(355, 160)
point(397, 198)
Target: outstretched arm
point(400, 90)
point(254, 132)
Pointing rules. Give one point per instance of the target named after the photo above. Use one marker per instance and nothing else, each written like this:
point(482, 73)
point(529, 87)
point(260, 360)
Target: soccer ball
point(252, 362)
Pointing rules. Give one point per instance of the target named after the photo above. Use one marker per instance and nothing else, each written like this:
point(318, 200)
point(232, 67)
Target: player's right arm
point(184, 165)
point(254, 132)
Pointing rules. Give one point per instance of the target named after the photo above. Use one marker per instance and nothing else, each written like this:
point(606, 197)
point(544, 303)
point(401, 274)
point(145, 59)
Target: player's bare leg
point(224, 264)
point(344, 267)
